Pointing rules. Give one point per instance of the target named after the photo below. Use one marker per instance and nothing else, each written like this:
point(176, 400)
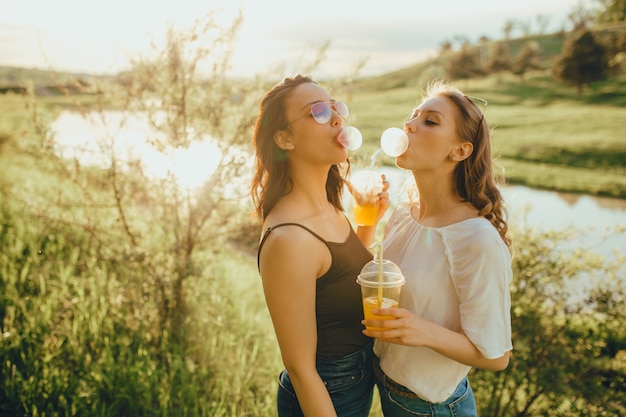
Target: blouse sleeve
point(402, 211)
point(480, 266)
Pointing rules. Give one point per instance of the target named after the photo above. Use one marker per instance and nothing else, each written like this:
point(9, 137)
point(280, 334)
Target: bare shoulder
point(287, 238)
point(292, 251)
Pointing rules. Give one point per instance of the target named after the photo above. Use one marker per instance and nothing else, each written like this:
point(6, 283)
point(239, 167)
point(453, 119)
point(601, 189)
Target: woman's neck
point(307, 197)
point(439, 205)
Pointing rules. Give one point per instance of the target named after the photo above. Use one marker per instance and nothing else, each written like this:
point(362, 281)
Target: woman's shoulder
point(292, 242)
point(400, 216)
point(475, 236)
point(288, 234)
point(472, 224)
point(401, 212)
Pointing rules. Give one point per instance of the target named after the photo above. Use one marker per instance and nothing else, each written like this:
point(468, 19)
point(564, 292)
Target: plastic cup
point(380, 288)
point(366, 185)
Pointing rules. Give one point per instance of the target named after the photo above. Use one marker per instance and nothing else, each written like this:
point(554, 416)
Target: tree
point(611, 16)
point(528, 58)
point(582, 62)
point(507, 30)
point(543, 21)
point(445, 47)
point(580, 18)
point(483, 44)
point(611, 11)
point(499, 59)
point(464, 64)
point(157, 235)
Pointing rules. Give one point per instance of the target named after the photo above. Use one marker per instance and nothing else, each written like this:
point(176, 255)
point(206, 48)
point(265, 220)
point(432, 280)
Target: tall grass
point(79, 338)
point(241, 344)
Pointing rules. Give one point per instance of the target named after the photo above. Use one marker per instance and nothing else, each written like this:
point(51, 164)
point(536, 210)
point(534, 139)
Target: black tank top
point(338, 306)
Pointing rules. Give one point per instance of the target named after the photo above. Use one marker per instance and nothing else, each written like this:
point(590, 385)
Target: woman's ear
point(462, 152)
point(283, 140)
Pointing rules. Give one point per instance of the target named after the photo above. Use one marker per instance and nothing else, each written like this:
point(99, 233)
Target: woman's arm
point(366, 234)
point(410, 330)
point(290, 263)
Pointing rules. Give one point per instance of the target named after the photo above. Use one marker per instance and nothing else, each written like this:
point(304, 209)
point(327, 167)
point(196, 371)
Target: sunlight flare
point(97, 140)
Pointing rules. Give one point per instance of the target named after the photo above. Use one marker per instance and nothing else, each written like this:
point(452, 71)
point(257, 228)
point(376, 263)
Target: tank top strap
point(269, 230)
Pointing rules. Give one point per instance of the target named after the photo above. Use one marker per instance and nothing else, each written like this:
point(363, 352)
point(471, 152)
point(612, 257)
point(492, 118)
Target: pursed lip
point(342, 138)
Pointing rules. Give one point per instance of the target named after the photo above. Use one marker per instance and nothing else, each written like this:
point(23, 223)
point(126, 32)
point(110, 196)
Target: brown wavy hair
point(272, 178)
point(474, 179)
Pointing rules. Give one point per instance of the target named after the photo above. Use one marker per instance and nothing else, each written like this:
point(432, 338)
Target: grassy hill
point(549, 46)
point(543, 135)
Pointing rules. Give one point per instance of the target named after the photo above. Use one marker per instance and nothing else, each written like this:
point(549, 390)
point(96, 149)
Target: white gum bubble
point(354, 138)
point(394, 141)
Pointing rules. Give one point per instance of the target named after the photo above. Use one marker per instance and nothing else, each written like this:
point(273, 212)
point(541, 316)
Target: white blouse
point(457, 276)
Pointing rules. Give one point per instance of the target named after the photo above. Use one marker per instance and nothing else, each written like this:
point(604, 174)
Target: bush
point(568, 348)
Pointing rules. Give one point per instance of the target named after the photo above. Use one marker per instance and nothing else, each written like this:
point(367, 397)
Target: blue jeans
point(349, 381)
point(398, 401)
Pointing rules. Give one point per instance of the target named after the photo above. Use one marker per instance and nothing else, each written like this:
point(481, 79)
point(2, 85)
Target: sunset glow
point(99, 36)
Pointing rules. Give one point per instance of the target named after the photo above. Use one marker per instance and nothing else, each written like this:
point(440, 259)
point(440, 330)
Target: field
point(119, 297)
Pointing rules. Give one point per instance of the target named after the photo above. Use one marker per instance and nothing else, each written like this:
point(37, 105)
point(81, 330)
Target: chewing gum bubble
point(394, 141)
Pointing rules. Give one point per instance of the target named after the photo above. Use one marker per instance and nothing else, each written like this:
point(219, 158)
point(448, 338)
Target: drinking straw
point(373, 160)
point(380, 274)
point(379, 254)
point(369, 178)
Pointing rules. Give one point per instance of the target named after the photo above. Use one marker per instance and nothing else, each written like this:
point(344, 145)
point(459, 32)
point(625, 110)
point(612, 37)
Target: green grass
point(544, 135)
point(574, 180)
point(236, 337)
point(82, 335)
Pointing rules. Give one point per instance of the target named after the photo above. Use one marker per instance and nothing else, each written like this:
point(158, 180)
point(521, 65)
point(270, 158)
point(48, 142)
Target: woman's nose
point(409, 125)
point(336, 119)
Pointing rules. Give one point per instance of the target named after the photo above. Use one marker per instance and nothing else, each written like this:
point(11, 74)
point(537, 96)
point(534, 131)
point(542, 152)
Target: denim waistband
point(390, 384)
point(360, 357)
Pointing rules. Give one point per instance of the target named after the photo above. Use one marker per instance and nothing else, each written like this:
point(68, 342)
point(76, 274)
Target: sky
point(97, 37)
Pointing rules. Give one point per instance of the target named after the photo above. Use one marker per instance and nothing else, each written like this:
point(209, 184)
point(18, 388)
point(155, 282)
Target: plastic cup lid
point(391, 275)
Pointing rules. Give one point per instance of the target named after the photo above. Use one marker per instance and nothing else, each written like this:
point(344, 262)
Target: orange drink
point(366, 213)
point(371, 303)
point(381, 281)
point(366, 186)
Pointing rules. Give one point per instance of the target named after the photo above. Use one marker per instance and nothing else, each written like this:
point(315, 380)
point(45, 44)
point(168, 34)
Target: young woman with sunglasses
point(450, 240)
point(309, 255)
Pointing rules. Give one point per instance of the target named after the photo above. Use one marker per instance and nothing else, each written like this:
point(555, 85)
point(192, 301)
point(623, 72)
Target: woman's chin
point(401, 162)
